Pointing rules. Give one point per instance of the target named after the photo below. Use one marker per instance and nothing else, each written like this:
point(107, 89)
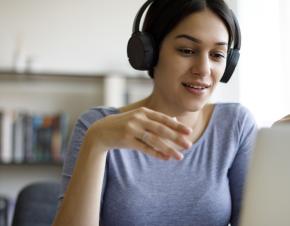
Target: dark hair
point(164, 15)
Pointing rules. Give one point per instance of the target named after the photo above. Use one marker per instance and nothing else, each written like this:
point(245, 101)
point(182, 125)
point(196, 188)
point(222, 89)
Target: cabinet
point(50, 93)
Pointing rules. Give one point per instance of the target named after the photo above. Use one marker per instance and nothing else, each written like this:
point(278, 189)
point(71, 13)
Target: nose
point(201, 65)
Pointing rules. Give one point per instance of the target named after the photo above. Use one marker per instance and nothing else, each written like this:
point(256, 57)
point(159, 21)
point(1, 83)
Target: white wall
point(69, 35)
point(265, 59)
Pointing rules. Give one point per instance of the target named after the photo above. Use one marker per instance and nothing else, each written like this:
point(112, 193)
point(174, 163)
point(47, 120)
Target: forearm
point(81, 203)
point(82, 199)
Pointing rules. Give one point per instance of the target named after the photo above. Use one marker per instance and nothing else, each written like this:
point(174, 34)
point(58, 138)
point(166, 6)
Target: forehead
point(204, 25)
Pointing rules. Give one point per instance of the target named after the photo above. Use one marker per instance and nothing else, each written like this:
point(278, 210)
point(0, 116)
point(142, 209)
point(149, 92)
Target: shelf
point(31, 164)
point(14, 76)
point(6, 74)
point(53, 93)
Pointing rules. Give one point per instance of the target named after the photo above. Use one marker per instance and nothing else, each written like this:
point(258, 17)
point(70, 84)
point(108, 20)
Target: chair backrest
point(36, 204)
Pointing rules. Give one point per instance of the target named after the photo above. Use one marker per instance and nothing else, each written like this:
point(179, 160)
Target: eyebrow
point(193, 39)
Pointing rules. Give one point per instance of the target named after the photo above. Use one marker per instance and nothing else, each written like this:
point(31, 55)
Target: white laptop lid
point(267, 193)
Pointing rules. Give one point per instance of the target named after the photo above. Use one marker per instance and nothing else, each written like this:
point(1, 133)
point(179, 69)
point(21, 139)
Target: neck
point(193, 119)
point(197, 120)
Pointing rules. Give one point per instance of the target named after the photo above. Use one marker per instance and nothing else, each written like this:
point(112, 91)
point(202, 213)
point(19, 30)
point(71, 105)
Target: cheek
point(169, 61)
point(164, 67)
point(172, 65)
point(219, 72)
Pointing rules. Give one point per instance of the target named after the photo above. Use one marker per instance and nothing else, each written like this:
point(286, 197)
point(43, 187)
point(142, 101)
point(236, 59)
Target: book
point(18, 137)
point(32, 137)
point(6, 136)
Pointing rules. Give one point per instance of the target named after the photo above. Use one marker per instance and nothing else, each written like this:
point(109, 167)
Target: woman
point(171, 158)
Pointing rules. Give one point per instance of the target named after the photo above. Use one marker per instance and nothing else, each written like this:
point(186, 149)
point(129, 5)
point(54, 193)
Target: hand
point(144, 130)
point(283, 120)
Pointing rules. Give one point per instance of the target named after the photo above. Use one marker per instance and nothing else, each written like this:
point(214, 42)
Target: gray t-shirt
point(203, 189)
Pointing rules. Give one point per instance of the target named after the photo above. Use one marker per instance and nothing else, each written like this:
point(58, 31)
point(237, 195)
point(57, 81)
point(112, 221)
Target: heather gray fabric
point(204, 189)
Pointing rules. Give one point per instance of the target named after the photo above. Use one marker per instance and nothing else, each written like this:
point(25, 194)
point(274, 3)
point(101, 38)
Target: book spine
point(6, 139)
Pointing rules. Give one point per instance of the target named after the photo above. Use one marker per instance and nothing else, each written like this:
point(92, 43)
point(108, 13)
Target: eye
point(218, 55)
point(186, 51)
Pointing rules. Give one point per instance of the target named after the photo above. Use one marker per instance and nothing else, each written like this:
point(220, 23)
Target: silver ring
point(145, 137)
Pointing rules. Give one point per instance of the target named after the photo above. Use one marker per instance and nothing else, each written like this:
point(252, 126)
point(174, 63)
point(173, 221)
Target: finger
point(165, 132)
point(139, 145)
point(158, 144)
point(286, 118)
point(168, 121)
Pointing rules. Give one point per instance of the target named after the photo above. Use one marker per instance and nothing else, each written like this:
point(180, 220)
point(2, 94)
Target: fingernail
point(180, 156)
point(188, 143)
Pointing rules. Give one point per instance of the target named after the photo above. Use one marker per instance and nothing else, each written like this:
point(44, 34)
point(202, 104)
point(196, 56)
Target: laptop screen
point(267, 193)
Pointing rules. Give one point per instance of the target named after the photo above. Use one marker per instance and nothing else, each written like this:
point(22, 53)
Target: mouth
point(196, 86)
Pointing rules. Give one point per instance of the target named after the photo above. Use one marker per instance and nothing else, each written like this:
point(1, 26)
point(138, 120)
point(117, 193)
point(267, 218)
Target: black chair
point(36, 204)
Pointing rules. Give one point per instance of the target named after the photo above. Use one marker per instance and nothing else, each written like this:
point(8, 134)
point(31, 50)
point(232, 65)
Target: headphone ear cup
point(232, 61)
point(140, 51)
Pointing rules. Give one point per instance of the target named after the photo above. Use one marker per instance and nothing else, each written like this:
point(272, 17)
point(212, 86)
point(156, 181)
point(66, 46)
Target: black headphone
point(142, 54)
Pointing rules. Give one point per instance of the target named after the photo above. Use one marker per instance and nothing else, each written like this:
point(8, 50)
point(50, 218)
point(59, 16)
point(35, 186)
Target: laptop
point(266, 199)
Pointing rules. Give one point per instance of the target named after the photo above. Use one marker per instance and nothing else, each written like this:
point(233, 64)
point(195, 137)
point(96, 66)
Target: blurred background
point(59, 57)
point(89, 38)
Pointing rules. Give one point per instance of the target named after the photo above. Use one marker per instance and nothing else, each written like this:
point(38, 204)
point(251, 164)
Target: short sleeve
point(71, 156)
point(76, 139)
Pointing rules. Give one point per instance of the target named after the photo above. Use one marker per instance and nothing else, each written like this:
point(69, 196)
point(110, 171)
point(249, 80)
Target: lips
point(196, 85)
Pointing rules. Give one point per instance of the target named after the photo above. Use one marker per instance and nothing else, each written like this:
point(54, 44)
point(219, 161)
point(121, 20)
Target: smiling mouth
point(195, 86)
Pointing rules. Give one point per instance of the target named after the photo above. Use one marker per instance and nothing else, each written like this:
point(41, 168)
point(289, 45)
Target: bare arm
point(282, 121)
point(81, 203)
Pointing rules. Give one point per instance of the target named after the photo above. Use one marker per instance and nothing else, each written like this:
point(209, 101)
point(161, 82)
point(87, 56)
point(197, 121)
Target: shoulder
point(85, 120)
point(236, 124)
point(234, 111)
point(233, 108)
point(235, 117)
point(95, 113)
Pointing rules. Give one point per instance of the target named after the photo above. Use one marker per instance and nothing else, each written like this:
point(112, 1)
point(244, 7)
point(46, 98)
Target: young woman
point(171, 158)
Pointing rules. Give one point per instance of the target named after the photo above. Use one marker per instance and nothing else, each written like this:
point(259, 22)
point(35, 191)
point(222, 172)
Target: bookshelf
point(54, 93)
point(65, 92)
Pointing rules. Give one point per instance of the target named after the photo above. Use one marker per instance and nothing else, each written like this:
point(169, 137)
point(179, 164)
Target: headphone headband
point(237, 40)
point(136, 23)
